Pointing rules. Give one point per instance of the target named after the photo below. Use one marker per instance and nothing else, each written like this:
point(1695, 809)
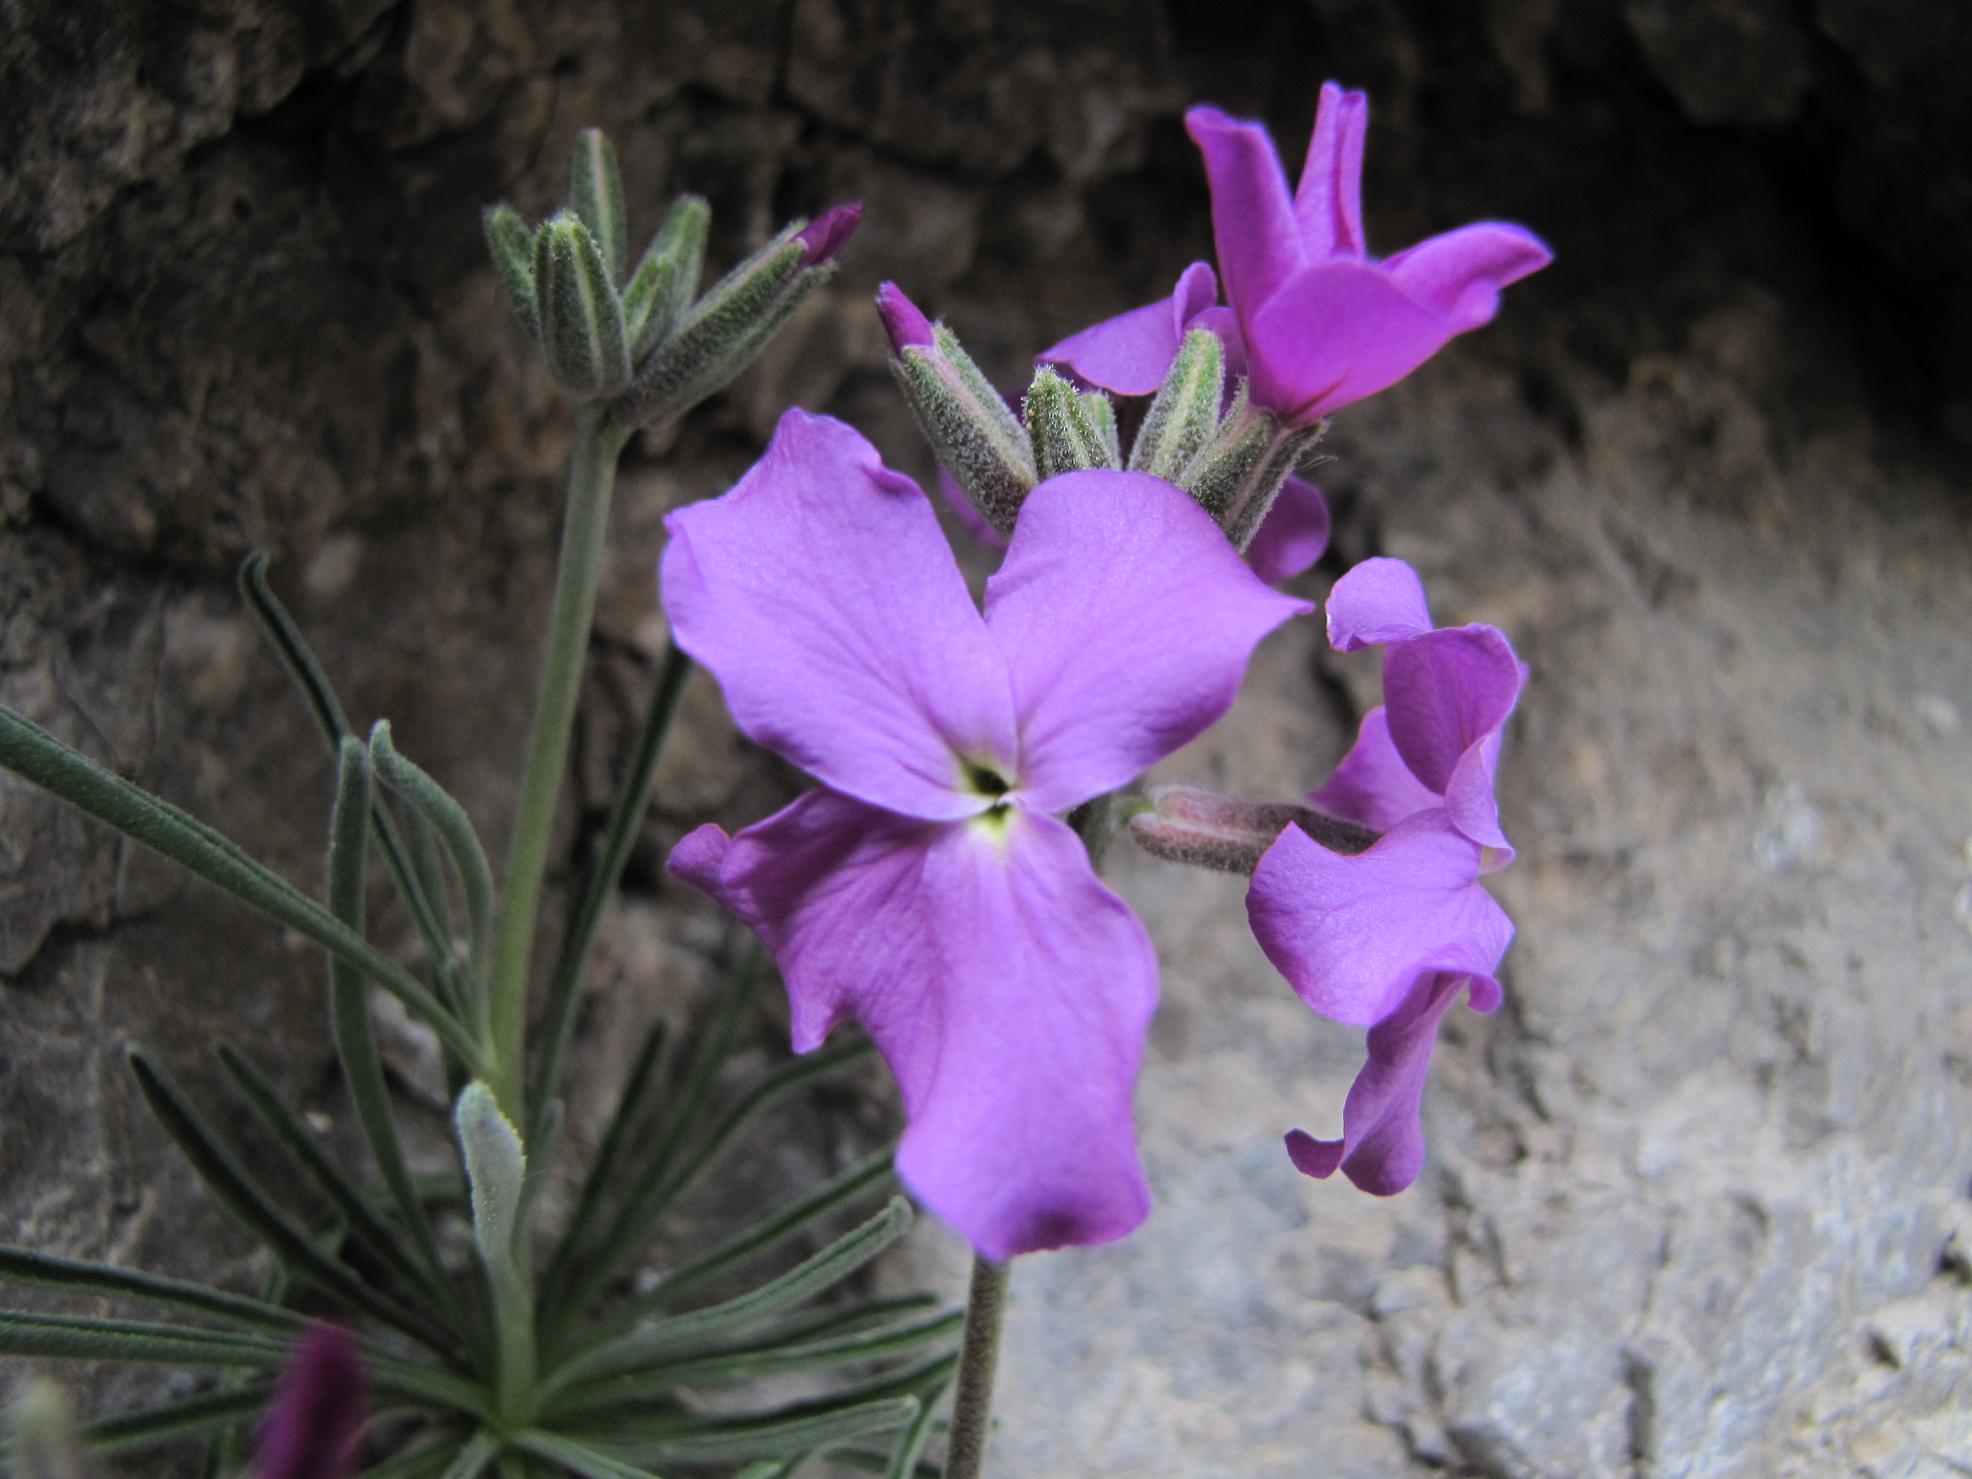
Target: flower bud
point(1237, 475)
point(823, 238)
point(1101, 411)
point(46, 1444)
point(1185, 411)
point(582, 331)
point(666, 280)
point(595, 194)
point(512, 246)
point(1064, 438)
point(968, 423)
point(1229, 834)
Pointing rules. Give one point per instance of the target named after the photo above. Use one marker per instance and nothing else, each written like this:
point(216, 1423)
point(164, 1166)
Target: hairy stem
point(979, 1358)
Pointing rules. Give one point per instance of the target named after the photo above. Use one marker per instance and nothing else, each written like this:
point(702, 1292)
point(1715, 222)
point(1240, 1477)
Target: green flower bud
point(666, 280)
point(582, 331)
point(1064, 438)
point(595, 194)
point(1185, 411)
point(512, 246)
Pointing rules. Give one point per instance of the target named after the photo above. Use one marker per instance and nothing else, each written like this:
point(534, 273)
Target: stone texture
point(1697, 1202)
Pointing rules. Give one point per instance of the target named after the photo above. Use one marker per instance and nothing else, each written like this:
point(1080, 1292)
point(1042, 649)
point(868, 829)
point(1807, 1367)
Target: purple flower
point(1386, 937)
point(1435, 741)
point(928, 890)
point(315, 1423)
point(1128, 355)
point(823, 238)
point(1322, 323)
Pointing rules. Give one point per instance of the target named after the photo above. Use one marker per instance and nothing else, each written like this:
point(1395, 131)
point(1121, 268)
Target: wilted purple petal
point(1460, 274)
point(1130, 353)
point(315, 1423)
point(1293, 535)
point(822, 596)
point(1372, 787)
point(823, 238)
point(1253, 221)
point(1334, 333)
point(1328, 203)
point(1126, 620)
point(1007, 988)
point(1377, 600)
point(1353, 933)
point(1382, 1144)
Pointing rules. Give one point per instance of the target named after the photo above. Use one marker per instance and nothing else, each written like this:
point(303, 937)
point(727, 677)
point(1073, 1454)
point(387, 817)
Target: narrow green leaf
point(813, 1275)
point(319, 694)
point(32, 752)
point(910, 1443)
point(595, 191)
point(473, 1458)
point(626, 817)
point(87, 1338)
point(365, 1223)
point(249, 1202)
point(511, 246)
point(428, 1461)
point(349, 1014)
point(442, 810)
point(496, 1172)
point(742, 1440)
point(24, 1266)
point(582, 1459)
point(210, 1412)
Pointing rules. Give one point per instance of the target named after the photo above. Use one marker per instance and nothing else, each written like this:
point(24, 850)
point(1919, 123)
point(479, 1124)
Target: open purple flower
point(1447, 692)
point(315, 1423)
point(1322, 323)
point(928, 890)
point(1129, 354)
point(1386, 938)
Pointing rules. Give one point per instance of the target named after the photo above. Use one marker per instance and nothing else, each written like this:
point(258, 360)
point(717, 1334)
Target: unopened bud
point(595, 194)
point(823, 238)
point(582, 331)
point(902, 319)
point(1238, 474)
point(1229, 834)
point(42, 1423)
point(1101, 411)
point(1064, 438)
point(1185, 411)
point(512, 247)
point(666, 280)
point(968, 423)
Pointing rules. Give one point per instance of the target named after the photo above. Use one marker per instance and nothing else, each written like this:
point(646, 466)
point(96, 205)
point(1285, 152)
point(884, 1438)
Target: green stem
point(591, 479)
point(979, 1358)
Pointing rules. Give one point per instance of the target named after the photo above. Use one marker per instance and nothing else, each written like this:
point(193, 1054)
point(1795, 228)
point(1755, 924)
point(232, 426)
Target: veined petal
point(1382, 1144)
point(1378, 600)
point(1293, 535)
point(1253, 223)
point(822, 596)
point(1460, 274)
point(1353, 933)
point(1445, 692)
point(1130, 353)
point(1372, 787)
point(1126, 620)
point(1334, 333)
point(1007, 988)
point(1328, 202)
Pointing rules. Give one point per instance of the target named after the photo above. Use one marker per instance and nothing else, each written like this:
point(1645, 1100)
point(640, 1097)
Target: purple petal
point(1372, 787)
point(1328, 203)
point(1382, 1144)
point(1446, 691)
point(1353, 933)
point(1127, 620)
point(1253, 222)
point(823, 238)
point(1334, 333)
point(1460, 273)
point(1378, 600)
point(1008, 989)
point(1293, 535)
point(1130, 353)
point(822, 596)
point(315, 1423)
point(903, 320)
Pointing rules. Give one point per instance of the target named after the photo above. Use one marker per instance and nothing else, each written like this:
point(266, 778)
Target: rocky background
point(1697, 1202)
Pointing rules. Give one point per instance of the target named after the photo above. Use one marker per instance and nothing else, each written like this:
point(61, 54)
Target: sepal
point(595, 194)
point(582, 329)
point(1185, 412)
point(1064, 437)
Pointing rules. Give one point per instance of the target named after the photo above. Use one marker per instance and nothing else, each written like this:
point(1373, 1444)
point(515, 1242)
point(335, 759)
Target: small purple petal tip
point(823, 238)
point(903, 320)
point(315, 1422)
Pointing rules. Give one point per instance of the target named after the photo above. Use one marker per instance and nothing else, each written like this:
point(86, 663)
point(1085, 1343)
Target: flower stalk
point(979, 1361)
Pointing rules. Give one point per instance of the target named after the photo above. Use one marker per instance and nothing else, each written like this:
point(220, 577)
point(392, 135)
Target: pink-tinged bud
point(904, 320)
point(1228, 833)
point(823, 238)
point(315, 1423)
